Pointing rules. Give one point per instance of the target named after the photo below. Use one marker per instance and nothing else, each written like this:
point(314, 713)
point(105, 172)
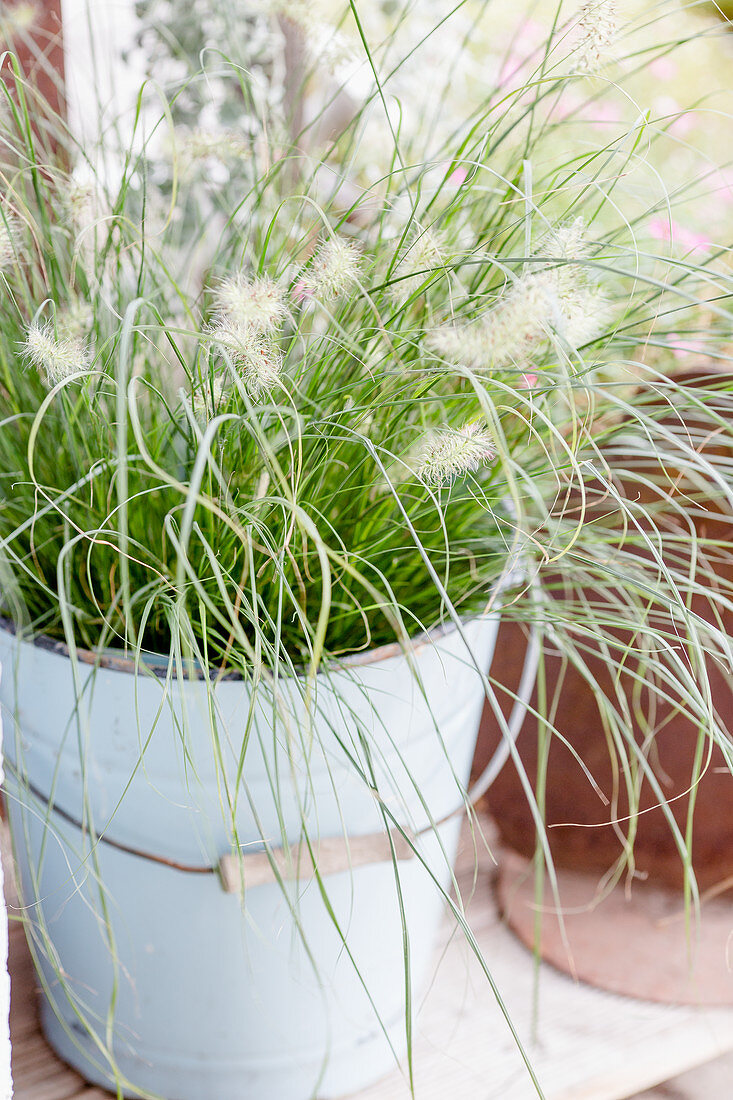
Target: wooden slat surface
point(591, 1046)
point(37, 1072)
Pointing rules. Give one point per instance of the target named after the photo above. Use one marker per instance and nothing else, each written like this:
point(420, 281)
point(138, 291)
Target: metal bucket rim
point(157, 663)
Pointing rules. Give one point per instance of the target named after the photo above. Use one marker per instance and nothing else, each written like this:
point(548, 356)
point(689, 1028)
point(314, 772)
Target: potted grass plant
point(285, 423)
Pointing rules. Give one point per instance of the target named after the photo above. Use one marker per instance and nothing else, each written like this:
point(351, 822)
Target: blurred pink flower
point(512, 65)
point(667, 107)
point(723, 184)
point(523, 48)
point(457, 176)
point(527, 382)
point(603, 114)
point(598, 114)
point(662, 229)
point(682, 348)
point(531, 33)
point(300, 291)
point(564, 106)
point(663, 68)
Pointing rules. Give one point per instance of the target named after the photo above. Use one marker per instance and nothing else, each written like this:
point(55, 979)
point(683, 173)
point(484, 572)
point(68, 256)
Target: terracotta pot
point(572, 801)
point(40, 53)
point(636, 938)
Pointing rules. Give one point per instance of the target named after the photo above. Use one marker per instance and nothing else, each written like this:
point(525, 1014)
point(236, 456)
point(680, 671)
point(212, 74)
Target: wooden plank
point(54, 1088)
point(589, 1045)
point(37, 1073)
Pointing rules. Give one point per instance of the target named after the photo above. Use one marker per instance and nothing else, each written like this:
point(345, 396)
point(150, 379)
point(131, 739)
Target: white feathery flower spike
point(454, 452)
point(567, 241)
point(20, 18)
point(595, 36)
point(201, 145)
point(323, 40)
point(91, 221)
point(206, 400)
point(506, 334)
point(257, 359)
point(75, 321)
point(581, 310)
point(255, 303)
point(57, 357)
point(556, 296)
point(87, 206)
point(334, 270)
point(585, 315)
point(460, 344)
point(423, 255)
point(8, 234)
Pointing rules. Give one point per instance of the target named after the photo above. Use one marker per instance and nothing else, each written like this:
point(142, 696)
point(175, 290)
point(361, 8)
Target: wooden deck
point(591, 1045)
point(37, 1072)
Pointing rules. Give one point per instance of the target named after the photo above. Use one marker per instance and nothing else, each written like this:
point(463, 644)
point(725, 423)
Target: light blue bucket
point(214, 995)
